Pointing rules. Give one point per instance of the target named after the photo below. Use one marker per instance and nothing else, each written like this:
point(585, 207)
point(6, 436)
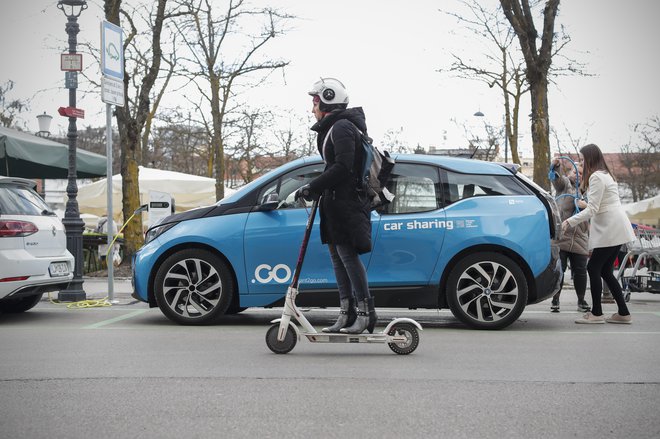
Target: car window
point(461, 186)
point(416, 188)
point(285, 187)
point(15, 200)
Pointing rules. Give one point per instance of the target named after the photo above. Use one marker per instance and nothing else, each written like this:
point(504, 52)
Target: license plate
point(57, 269)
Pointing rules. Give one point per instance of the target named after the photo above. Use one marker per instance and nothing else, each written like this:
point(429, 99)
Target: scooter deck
point(336, 337)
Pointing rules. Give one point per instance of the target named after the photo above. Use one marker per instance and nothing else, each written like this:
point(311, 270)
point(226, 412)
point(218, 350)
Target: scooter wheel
point(412, 338)
point(284, 346)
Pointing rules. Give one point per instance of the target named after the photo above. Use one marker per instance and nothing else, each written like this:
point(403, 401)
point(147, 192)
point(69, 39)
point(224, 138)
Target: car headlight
point(155, 232)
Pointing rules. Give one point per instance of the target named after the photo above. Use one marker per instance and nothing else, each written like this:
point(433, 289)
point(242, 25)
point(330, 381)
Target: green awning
point(28, 156)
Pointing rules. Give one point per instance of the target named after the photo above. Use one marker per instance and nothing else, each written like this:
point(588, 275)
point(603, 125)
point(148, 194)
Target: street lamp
point(44, 124)
point(73, 224)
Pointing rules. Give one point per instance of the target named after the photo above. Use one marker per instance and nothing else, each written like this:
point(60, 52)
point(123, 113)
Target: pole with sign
point(112, 93)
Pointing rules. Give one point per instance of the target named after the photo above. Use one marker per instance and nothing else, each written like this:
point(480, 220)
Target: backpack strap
point(325, 141)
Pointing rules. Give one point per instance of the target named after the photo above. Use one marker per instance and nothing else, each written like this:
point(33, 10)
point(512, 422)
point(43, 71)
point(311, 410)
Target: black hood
point(355, 115)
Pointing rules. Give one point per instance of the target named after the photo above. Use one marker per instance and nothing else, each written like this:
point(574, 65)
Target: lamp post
point(73, 224)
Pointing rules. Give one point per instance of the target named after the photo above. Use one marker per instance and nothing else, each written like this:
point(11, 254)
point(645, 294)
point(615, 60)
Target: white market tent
point(644, 211)
point(188, 191)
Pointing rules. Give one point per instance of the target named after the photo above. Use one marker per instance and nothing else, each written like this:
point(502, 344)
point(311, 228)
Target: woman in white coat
point(610, 228)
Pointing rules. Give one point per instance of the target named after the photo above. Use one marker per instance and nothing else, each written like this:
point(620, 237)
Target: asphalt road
point(126, 371)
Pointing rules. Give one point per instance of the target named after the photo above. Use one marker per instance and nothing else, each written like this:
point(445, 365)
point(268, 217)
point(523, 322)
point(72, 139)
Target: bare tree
point(293, 136)
point(537, 62)
point(211, 36)
point(133, 116)
point(10, 108)
point(642, 161)
point(179, 143)
point(502, 68)
point(392, 141)
point(250, 151)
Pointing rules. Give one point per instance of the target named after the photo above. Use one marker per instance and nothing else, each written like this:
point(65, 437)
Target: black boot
point(347, 315)
point(373, 318)
point(361, 322)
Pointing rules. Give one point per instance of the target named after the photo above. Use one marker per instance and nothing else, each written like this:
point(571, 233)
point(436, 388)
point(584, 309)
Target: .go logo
point(279, 273)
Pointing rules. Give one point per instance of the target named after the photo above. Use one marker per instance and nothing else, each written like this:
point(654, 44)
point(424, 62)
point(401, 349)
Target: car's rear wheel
point(487, 291)
point(193, 287)
point(11, 306)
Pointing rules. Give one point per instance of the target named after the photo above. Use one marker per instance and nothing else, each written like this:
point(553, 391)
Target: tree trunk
point(538, 62)
point(216, 137)
point(540, 131)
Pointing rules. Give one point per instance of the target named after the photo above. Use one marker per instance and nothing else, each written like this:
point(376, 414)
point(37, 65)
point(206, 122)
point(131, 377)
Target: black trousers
point(578, 270)
point(601, 265)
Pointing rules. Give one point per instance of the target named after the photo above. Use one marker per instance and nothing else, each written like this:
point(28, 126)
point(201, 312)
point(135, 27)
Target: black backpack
point(373, 169)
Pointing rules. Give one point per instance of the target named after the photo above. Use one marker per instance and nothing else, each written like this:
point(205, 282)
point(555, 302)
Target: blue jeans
point(349, 271)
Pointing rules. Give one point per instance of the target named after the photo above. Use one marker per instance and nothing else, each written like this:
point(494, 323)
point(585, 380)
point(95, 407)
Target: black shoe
point(373, 318)
point(583, 306)
point(555, 305)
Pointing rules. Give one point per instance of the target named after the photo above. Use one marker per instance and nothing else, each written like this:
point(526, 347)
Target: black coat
point(345, 213)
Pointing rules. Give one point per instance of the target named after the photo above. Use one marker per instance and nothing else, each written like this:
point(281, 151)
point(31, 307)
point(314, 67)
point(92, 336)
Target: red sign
point(71, 112)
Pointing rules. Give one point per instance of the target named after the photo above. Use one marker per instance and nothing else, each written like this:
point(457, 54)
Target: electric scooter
point(401, 334)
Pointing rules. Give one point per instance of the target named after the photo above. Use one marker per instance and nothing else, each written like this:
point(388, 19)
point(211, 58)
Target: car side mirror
point(270, 202)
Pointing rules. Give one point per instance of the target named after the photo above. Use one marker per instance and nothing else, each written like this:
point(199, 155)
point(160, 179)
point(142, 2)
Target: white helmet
point(332, 93)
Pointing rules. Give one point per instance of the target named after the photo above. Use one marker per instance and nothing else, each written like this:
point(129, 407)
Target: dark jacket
point(345, 213)
point(573, 239)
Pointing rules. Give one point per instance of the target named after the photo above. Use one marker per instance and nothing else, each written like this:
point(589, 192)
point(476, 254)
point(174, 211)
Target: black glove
point(305, 192)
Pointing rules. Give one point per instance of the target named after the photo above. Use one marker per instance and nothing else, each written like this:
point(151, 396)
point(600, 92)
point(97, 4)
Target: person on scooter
point(345, 212)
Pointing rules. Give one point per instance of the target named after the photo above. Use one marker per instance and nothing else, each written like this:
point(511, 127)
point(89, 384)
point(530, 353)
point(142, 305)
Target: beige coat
point(609, 224)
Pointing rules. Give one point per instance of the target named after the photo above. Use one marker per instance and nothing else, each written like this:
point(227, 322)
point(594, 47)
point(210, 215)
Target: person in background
point(574, 240)
point(345, 212)
point(610, 228)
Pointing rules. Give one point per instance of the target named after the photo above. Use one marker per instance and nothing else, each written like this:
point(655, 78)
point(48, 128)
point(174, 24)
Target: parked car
point(476, 237)
point(33, 254)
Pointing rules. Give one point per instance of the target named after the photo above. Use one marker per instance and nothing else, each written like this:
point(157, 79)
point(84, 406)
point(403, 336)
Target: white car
point(33, 255)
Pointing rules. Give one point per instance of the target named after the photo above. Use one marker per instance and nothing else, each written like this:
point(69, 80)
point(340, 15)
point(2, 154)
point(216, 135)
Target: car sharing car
point(33, 254)
point(475, 237)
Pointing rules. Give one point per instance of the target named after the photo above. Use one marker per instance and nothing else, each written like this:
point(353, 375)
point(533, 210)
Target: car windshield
point(253, 184)
point(16, 200)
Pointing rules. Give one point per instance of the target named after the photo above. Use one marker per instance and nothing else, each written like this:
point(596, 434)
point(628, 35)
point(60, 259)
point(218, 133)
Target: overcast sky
point(387, 53)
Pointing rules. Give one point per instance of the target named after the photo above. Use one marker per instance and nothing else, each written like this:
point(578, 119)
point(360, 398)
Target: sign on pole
point(71, 112)
point(71, 79)
point(112, 91)
point(71, 62)
point(112, 50)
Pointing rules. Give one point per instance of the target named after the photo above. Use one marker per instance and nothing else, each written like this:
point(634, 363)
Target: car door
point(411, 229)
point(272, 239)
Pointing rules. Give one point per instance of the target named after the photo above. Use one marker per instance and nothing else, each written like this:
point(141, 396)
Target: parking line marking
point(116, 319)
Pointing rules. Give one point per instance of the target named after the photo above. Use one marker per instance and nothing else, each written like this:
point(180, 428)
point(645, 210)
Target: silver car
point(33, 255)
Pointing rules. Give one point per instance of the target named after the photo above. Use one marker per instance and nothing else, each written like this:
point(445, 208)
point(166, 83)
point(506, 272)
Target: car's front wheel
point(193, 287)
point(487, 291)
point(23, 304)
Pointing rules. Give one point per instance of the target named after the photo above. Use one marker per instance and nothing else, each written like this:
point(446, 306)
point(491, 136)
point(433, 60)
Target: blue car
point(476, 237)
